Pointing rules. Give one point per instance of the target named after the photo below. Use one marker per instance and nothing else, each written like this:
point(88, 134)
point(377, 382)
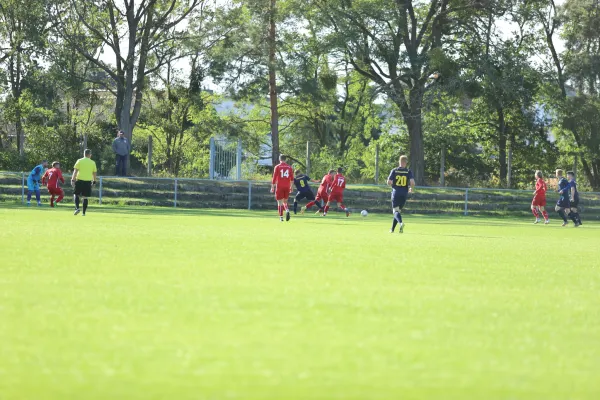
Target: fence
point(205, 193)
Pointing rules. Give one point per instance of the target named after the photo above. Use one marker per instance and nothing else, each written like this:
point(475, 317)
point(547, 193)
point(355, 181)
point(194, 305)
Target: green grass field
point(160, 304)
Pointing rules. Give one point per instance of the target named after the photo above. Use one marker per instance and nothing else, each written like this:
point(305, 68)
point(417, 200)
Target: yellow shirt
point(86, 168)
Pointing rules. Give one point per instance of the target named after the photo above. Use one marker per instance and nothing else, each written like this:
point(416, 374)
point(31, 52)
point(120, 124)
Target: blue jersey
point(400, 178)
point(301, 183)
point(36, 174)
point(573, 184)
point(563, 187)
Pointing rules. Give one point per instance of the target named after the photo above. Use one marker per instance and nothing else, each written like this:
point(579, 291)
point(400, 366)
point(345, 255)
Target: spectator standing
point(121, 148)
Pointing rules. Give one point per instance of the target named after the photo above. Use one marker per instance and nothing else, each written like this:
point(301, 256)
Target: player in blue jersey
point(301, 181)
point(574, 199)
point(402, 182)
point(33, 182)
point(563, 205)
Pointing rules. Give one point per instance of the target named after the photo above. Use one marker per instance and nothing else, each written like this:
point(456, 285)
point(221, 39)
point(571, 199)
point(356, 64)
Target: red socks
point(280, 210)
point(545, 215)
point(535, 212)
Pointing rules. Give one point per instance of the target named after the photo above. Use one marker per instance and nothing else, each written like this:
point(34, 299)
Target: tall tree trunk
point(273, 86)
point(502, 144)
point(414, 122)
point(511, 144)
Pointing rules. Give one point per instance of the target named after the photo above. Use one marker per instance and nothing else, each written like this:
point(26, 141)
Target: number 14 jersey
point(283, 176)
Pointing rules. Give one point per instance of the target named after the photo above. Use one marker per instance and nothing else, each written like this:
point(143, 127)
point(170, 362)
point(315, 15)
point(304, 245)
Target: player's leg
point(534, 210)
point(38, 195)
point(562, 212)
point(51, 193)
point(400, 201)
point(85, 204)
point(30, 190)
point(574, 214)
point(299, 196)
point(343, 206)
point(287, 209)
point(544, 213)
point(76, 194)
point(61, 195)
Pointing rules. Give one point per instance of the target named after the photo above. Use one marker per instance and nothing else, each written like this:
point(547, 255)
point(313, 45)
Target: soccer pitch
point(138, 303)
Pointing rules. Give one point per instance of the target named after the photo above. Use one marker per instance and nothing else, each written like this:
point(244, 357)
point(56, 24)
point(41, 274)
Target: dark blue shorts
point(563, 202)
point(575, 202)
point(398, 199)
point(309, 195)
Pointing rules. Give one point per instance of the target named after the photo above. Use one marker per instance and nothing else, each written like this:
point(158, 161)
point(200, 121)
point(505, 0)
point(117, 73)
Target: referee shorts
point(83, 188)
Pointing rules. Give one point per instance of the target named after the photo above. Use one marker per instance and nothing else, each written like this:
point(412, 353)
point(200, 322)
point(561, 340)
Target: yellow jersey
point(86, 168)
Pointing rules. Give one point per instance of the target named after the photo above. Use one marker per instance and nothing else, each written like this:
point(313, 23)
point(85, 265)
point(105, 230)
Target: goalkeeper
point(33, 182)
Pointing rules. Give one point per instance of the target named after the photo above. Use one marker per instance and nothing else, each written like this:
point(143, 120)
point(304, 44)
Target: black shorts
point(575, 203)
point(308, 195)
point(398, 199)
point(83, 188)
point(563, 202)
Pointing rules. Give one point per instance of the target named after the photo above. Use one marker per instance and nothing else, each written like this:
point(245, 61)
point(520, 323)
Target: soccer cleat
point(302, 210)
point(28, 204)
point(546, 222)
point(281, 219)
point(76, 211)
point(537, 221)
point(565, 224)
point(347, 212)
point(577, 225)
point(287, 216)
point(39, 204)
point(83, 215)
point(401, 230)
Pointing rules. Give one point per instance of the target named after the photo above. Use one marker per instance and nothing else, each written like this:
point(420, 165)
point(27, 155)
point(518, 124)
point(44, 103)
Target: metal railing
point(253, 194)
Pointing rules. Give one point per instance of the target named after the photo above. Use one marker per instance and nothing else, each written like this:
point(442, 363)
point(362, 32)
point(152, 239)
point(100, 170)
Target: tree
point(390, 42)
point(23, 27)
point(140, 38)
point(575, 108)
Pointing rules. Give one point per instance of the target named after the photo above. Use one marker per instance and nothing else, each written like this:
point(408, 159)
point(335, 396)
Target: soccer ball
point(364, 213)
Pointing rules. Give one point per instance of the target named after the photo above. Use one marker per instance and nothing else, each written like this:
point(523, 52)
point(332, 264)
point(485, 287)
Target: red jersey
point(51, 178)
point(283, 176)
point(540, 188)
point(339, 183)
point(326, 183)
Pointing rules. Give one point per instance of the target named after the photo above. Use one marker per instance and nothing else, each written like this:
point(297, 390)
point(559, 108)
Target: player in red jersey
point(50, 179)
point(323, 193)
point(337, 192)
point(539, 199)
point(281, 185)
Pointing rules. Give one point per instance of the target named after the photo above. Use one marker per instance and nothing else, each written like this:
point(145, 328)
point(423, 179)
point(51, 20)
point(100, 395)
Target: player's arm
point(95, 177)
point(572, 191)
point(45, 177)
point(274, 179)
point(565, 190)
point(411, 189)
point(74, 176)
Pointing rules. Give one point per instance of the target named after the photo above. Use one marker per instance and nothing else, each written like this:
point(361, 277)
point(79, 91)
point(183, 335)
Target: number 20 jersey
point(400, 178)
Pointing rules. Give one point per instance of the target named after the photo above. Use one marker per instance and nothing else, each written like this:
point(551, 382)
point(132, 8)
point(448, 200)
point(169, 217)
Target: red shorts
point(539, 201)
point(322, 196)
point(55, 191)
point(336, 196)
point(282, 193)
